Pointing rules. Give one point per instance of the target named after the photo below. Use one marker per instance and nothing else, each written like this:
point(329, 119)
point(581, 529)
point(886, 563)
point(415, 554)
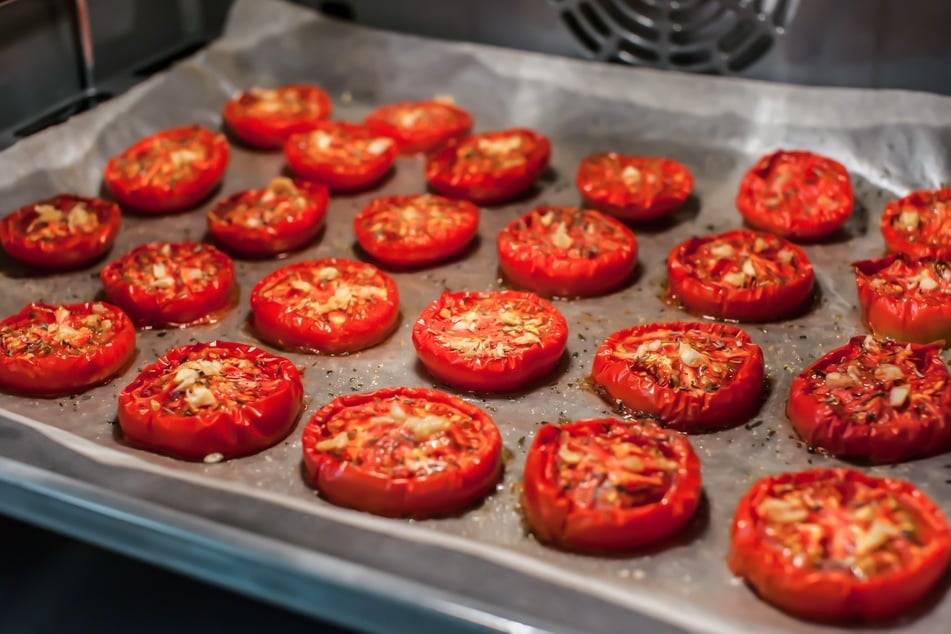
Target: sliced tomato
point(883, 401)
point(796, 194)
point(265, 118)
point(906, 298)
point(691, 376)
point(333, 305)
point(402, 452)
point(919, 224)
point(609, 485)
point(53, 350)
point(838, 545)
point(491, 167)
point(567, 252)
point(211, 401)
point(497, 341)
point(171, 284)
point(415, 230)
point(283, 216)
point(419, 126)
point(169, 171)
point(742, 275)
point(62, 232)
point(343, 156)
point(633, 187)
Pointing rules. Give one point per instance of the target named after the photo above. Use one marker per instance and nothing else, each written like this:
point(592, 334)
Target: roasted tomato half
point(489, 168)
point(283, 216)
point(331, 305)
point(496, 341)
point(343, 156)
point(402, 452)
point(919, 224)
point(53, 350)
point(415, 230)
point(567, 252)
point(884, 401)
point(633, 187)
point(742, 275)
point(691, 376)
point(420, 126)
point(171, 283)
point(169, 171)
point(838, 545)
point(62, 232)
point(265, 118)
point(608, 485)
point(798, 195)
point(906, 298)
point(212, 401)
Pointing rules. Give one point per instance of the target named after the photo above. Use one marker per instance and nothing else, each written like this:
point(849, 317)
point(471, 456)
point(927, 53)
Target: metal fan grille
point(713, 36)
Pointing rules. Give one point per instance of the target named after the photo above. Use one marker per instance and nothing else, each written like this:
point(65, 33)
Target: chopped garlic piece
point(569, 456)
point(631, 175)
point(379, 146)
point(185, 377)
point(735, 278)
point(408, 118)
point(546, 219)
point(327, 274)
point(560, 237)
point(785, 256)
point(836, 379)
point(192, 275)
point(927, 283)
point(908, 220)
point(879, 533)
point(81, 219)
point(322, 140)
point(898, 395)
point(500, 146)
point(61, 314)
point(722, 250)
point(889, 372)
point(159, 270)
point(647, 347)
point(48, 213)
point(397, 412)
point(783, 511)
point(199, 397)
point(338, 442)
point(690, 357)
point(301, 285)
point(633, 463)
point(183, 156)
point(526, 339)
point(760, 245)
point(426, 427)
point(749, 269)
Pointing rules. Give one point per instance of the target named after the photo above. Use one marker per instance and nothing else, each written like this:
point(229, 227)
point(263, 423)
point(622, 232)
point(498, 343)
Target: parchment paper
point(892, 142)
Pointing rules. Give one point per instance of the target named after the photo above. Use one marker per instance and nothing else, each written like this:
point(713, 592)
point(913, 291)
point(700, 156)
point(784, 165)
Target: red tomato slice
point(906, 298)
point(343, 156)
point(415, 230)
point(604, 484)
point(919, 224)
point(491, 167)
point(633, 187)
point(402, 452)
point(169, 171)
point(53, 350)
point(212, 398)
point(171, 284)
point(884, 401)
point(282, 217)
point(742, 275)
point(62, 232)
point(567, 252)
point(692, 376)
point(265, 118)
point(798, 195)
point(331, 305)
point(419, 126)
point(838, 545)
point(497, 341)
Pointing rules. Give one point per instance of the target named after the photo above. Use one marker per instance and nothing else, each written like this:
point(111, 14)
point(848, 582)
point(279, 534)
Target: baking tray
point(254, 525)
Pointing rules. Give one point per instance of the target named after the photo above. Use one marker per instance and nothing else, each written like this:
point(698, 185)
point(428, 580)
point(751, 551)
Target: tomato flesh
point(343, 156)
point(919, 224)
point(633, 188)
point(265, 118)
point(420, 126)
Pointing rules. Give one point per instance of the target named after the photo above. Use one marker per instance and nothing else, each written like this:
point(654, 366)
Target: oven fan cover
point(712, 36)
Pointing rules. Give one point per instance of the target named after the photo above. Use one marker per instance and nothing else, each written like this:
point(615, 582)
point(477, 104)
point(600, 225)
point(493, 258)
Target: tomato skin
point(289, 233)
point(895, 435)
point(272, 131)
point(66, 252)
point(59, 373)
point(415, 139)
point(533, 261)
point(600, 181)
point(715, 299)
point(232, 432)
point(687, 410)
point(835, 595)
point(907, 316)
point(932, 206)
point(276, 322)
point(440, 493)
point(508, 373)
point(488, 186)
point(556, 519)
point(799, 216)
point(337, 176)
point(162, 197)
point(416, 248)
point(149, 308)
